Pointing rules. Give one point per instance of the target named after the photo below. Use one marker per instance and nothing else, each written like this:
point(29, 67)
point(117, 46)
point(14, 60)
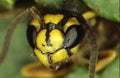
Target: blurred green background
point(20, 53)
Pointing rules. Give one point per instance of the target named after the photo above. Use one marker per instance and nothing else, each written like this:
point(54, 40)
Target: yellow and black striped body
point(56, 37)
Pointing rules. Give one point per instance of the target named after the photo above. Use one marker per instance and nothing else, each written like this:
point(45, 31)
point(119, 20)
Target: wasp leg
point(37, 70)
point(104, 59)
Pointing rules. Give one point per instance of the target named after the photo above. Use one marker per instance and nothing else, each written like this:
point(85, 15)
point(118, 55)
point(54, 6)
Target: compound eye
point(31, 35)
point(73, 36)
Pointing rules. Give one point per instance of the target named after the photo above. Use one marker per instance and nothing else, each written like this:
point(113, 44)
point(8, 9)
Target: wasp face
point(55, 39)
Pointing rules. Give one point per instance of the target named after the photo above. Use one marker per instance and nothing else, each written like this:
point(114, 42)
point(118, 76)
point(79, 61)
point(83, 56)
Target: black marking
point(48, 38)
point(50, 61)
point(50, 27)
point(69, 52)
point(43, 45)
point(62, 22)
point(34, 53)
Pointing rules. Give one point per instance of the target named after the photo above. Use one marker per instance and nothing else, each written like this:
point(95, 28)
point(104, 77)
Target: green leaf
point(7, 3)
point(51, 3)
point(108, 9)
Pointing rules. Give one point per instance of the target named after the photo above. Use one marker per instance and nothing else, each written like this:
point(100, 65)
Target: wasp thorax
point(49, 41)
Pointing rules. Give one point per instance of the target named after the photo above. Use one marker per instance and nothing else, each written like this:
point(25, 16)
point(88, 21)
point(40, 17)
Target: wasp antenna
point(9, 33)
point(35, 13)
point(94, 51)
point(93, 55)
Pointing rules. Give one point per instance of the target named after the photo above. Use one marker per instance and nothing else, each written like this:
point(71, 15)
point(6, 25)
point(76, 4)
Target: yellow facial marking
point(56, 40)
point(35, 23)
point(42, 57)
point(40, 40)
point(59, 56)
point(75, 49)
point(53, 18)
point(71, 21)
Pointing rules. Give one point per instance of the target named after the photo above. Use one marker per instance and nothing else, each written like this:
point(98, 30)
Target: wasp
point(55, 35)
